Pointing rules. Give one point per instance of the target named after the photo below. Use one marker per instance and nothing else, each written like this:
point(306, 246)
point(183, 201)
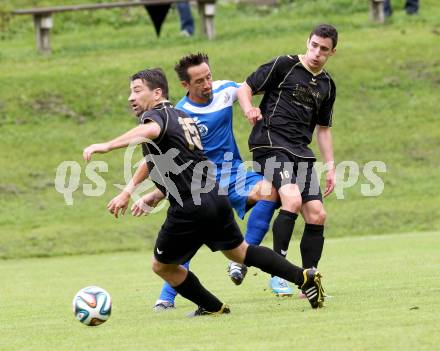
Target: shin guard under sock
point(168, 293)
point(193, 290)
point(282, 231)
point(312, 244)
point(259, 221)
point(271, 262)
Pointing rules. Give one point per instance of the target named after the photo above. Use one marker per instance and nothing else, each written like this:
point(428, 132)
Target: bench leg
point(43, 24)
point(207, 13)
point(376, 11)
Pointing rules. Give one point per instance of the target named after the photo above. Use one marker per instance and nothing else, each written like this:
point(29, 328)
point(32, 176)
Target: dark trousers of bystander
point(411, 7)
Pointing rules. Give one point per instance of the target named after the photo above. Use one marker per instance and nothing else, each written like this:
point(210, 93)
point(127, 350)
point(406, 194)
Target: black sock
point(312, 243)
point(282, 231)
point(193, 290)
point(271, 262)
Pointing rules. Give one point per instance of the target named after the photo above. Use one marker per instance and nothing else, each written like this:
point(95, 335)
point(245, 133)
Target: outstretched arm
point(325, 143)
point(244, 94)
point(137, 135)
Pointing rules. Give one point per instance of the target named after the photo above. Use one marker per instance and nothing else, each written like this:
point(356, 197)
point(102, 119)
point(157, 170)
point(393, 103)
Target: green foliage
point(51, 107)
point(385, 297)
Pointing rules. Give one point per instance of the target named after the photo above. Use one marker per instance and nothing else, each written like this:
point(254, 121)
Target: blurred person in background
point(411, 7)
point(186, 19)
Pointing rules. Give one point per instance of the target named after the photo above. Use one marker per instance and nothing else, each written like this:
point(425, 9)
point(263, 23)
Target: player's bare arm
point(137, 135)
point(120, 202)
point(325, 143)
point(244, 95)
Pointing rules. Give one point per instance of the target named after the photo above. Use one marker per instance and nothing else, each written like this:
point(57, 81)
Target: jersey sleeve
point(154, 116)
point(325, 114)
point(228, 86)
point(234, 89)
point(266, 77)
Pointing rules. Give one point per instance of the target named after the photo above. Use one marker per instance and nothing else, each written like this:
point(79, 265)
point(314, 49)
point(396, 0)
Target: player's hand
point(253, 115)
point(93, 149)
point(119, 203)
point(144, 205)
point(330, 181)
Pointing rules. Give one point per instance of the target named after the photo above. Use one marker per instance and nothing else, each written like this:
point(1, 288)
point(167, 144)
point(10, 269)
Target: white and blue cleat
point(280, 287)
point(237, 272)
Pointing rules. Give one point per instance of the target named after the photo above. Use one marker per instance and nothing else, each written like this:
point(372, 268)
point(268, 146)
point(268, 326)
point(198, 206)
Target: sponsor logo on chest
point(203, 128)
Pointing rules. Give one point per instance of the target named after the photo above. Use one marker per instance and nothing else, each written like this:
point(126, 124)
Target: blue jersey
point(214, 120)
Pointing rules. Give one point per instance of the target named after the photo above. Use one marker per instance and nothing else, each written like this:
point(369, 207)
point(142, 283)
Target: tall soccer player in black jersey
point(298, 97)
point(178, 167)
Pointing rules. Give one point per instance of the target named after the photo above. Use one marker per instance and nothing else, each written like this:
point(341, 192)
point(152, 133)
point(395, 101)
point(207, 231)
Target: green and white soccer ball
point(92, 305)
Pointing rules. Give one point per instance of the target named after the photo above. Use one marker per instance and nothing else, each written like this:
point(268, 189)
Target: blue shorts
point(240, 185)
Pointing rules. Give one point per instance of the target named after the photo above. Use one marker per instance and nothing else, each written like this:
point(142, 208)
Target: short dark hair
point(188, 61)
point(326, 31)
point(154, 78)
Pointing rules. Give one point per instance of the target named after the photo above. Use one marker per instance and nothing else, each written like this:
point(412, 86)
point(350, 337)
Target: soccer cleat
point(200, 311)
point(302, 295)
point(163, 305)
point(280, 287)
point(237, 272)
point(312, 287)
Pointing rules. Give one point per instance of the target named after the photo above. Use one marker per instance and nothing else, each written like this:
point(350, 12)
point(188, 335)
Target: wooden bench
point(43, 22)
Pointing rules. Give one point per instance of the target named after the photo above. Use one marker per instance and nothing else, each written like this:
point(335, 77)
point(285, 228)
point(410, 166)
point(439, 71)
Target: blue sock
point(259, 221)
point(168, 293)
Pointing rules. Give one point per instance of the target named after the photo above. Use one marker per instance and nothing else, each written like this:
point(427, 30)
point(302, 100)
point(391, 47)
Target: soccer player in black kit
point(196, 216)
point(298, 97)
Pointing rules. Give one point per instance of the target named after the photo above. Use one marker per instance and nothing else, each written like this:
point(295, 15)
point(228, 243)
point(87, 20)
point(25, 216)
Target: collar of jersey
point(188, 100)
point(307, 68)
point(161, 104)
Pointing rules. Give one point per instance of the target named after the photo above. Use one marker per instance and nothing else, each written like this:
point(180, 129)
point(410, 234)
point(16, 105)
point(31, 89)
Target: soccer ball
point(92, 305)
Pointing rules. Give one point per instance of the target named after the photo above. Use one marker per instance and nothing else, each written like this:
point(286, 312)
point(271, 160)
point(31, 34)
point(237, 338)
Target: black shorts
point(188, 227)
point(281, 167)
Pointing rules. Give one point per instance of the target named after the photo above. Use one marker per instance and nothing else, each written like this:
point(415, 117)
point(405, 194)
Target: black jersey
point(172, 158)
point(295, 100)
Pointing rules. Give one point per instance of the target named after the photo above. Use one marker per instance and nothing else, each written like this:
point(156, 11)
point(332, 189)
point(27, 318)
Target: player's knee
point(291, 203)
point(317, 217)
point(266, 191)
point(263, 190)
point(290, 198)
point(158, 267)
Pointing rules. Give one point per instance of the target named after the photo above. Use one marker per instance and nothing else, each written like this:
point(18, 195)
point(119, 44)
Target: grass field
point(51, 107)
point(385, 297)
point(385, 287)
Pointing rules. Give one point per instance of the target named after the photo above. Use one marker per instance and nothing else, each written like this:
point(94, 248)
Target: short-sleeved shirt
point(172, 158)
point(295, 101)
point(214, 120)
